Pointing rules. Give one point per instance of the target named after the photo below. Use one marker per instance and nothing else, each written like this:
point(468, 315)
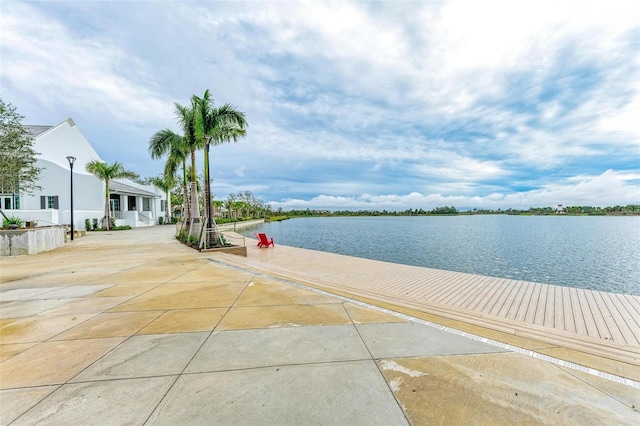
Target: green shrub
point(87, 224)
point(116, 228)
point(94, 224)
point(161, 220)
point(13, 220)
point(193, 240)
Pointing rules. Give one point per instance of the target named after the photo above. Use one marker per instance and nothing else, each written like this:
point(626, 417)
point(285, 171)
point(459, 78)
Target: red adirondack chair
point(263, 241)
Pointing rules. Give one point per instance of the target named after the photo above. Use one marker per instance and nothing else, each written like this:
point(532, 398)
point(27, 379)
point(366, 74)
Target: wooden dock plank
point(478, 285)
point(618, 321)
point(461, 287)
point(598, 316)
point(567, 308)
point(532, 308)
point(473, 286)
point(521, 313)
point(588, 314)
point(510, 300)
point(441, 283)
point(517, 300)
point(496, 303)
point(539, 318)
point(607, 316)
point(634, 303)
point(578, 316)
point(480, 298)
point(633, 317)
point(558, 308)
point(490, 298)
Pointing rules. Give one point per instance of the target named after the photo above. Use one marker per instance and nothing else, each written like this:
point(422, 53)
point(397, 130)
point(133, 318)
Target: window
point(131, 203)
point(146, 204)
point(162, 205)
point(7, 203)
point(48, 202)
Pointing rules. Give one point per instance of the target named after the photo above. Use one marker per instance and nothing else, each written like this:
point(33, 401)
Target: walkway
point(131, 327)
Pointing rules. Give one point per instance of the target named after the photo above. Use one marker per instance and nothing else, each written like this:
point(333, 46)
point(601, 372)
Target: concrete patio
point(131, 327)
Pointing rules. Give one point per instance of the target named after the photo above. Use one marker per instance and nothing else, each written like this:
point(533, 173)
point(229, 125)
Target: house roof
point(35, 131)
point(123, 188)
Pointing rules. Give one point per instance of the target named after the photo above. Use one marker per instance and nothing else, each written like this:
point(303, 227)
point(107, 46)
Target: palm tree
point(166, 183)
point(186, 119)
point(238, 207)
point(107, 172)
point(167, 142)
point(217, 205)
point(214, 125)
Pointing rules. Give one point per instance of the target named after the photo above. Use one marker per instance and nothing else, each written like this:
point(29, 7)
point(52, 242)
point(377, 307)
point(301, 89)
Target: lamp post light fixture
point(71, 160)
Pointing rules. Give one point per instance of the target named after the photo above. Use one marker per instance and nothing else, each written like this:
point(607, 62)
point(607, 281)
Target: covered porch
point(132, 206)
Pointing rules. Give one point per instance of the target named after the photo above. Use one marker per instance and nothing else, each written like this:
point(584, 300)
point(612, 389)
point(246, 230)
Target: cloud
point(608, 189)
point(61, 70)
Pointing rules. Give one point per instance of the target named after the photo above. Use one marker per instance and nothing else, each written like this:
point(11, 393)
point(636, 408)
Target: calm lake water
point(598, 253)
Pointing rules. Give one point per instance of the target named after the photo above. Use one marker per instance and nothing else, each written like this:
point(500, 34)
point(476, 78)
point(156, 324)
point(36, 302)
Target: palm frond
point(162, 141)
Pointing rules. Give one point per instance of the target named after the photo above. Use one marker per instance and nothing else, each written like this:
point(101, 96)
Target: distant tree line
point(628, 210)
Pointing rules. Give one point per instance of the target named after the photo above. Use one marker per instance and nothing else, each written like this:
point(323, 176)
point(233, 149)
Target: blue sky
point(352, 105)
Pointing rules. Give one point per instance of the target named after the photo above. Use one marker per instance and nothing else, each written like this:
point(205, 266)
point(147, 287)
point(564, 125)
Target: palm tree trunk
point(195, 206)
point(167, 207)
point(106, 222)
point(186, 211)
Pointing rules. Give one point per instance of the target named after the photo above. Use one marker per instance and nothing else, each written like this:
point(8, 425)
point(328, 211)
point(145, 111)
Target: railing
point(117, 214)
point(145, 219)
point(213, 237)
point(234, 238)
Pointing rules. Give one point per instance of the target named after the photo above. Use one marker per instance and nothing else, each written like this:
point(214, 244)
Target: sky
point(360, 105)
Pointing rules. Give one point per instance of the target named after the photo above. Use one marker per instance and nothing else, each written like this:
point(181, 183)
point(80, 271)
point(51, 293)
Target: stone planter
point(237, 250)
point(15, 242)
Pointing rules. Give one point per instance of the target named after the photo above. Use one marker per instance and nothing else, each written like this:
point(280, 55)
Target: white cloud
point(63, 71)
point(609, 188)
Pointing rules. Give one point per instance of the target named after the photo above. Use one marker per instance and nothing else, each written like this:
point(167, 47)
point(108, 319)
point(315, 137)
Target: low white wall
point(50, 217)
point(79, 217)
point(43, 217)
point(31, 241)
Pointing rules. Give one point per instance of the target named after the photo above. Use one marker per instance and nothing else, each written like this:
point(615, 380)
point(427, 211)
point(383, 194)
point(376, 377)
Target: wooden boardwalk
point(601, 323)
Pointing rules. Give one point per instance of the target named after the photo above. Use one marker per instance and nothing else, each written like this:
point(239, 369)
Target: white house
point(131, 203)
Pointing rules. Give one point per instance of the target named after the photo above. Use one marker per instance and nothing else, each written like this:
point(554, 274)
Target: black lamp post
point(207, 186)
point(71, 161)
